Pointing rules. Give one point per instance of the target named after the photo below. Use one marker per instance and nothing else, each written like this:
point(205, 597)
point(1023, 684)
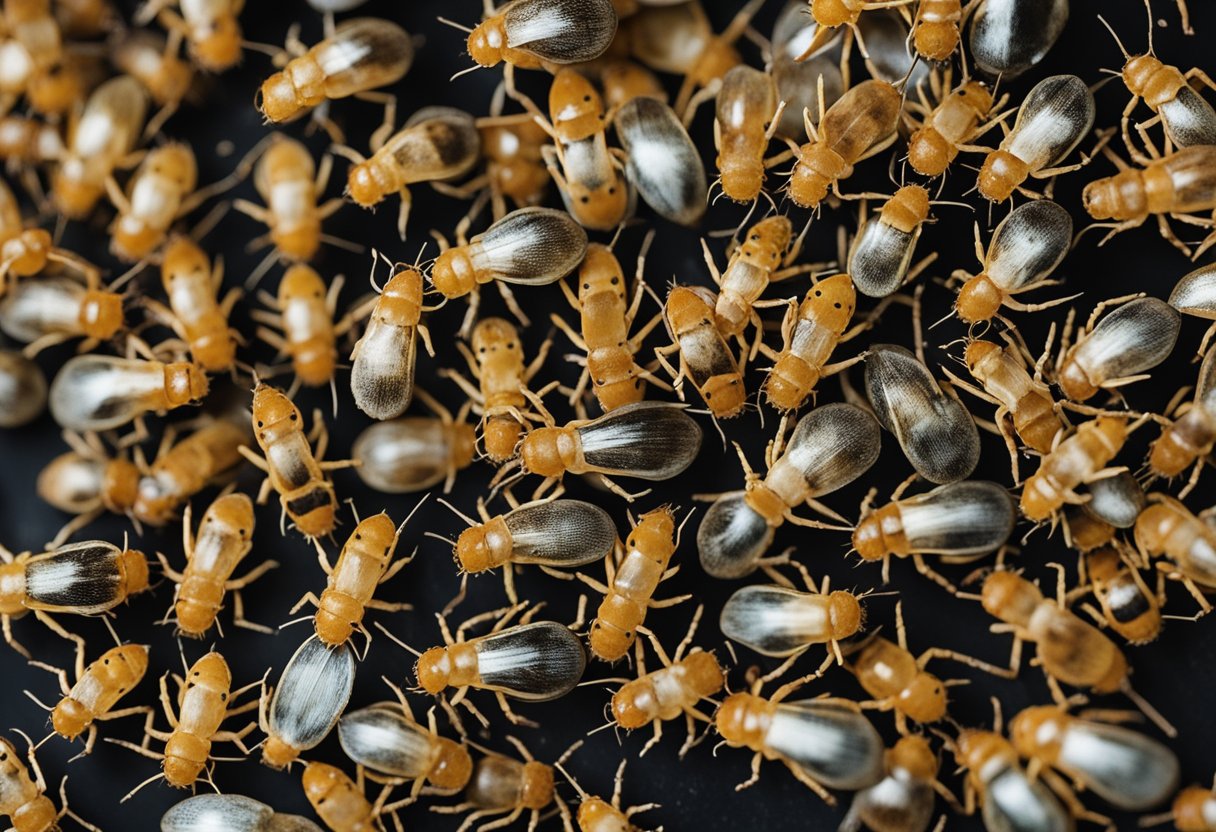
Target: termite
point(645, 440)
point(935, 431)
point(551, 534)
point(360, 55)
point(831, 15)
point(22, 390)
point(810, 332)
point(204, 703)
point(1174, 186)
point(1085, 750)
point(530, 34)
point(680, 39)
point(798, 81)
point(382, 369)
point(504, 786)
point(1190, 437)
point(826, 743)
point(436, 144)
point(224, 538)
point(291, 186)
point(1187, 118)
point(830, 447)
point(182, 469)
point(530, 246)
point(1127, 605)
point(513, 149)
point(415, 453)
point(605, 320)
point(25, 252)
point(961, 116)
point(311, 695)
point(676, 689)
point(154, 62)
point(162, 190)
point(904, 799)
point(338, 800)
point(23, 798)
point(632, 581)
point(880, 258)
point(1055, 115)
point(705, 358)
point(98, 688)
point(1195, 294)
point(676, 190)
point(84, 18)
point(1192, 810)
point(860, 124)
point(496, 362)
point(532, 661)
point(1024, 403)
point(103, 392)
point(211, 29)
point(746, 118)
point(195, 313)
point(935, 29)
point(48, 311)
point(1024, 250)
point(957, 522)
point(101, 138)
point(300, 324)
point(27, 141)
point(1074, 460)
point(1007, 38)
point(1168, 528)
point(292, 467)
point(85, 578)
point(232, 813)
point(1118, 349)
point(595, 814)
point(386, 739)
point(366, 561)
point(37, 64)
point(1069, 650)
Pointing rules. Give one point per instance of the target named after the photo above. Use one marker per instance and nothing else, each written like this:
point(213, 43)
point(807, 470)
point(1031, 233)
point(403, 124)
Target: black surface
point(1176, 673)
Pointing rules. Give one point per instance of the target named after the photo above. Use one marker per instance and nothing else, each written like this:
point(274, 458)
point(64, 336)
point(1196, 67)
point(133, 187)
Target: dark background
point(1176, 673)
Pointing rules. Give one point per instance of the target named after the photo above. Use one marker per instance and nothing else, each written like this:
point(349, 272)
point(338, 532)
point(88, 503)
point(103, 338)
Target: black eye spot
point(196, 673)
point(755, 237)
point(586, 285)
point(241, 532)
point(223, 697)
point(818, 293)
point(294, 417)
point(585, 200)
point(614, 281)
point(105, 661)
point(259, 422)
point(511, 345)
point(612, 190)
point(358, 536)
point(708, 396)
point(837, 305)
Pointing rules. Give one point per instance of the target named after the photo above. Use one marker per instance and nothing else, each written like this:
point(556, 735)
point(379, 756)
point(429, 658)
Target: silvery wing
point(662, 162)
point(532, 246)
point(645, 440)
point(384, 740)
point(960, 520)
point(880, 257)
point(1116, 500)
point(897, 802)
point(312, 693)
point(1053, 119)
point(1195, 293)
point(403, 455)
point(1188, 118)
point(382, 375)
point(80, 577)
point(561, 31)
point(536, 662)
point(775, 620)
point(732, 537)
point(1015, 803)
point(830, 447)
point(1028, 244)
point(561, 533)
point(1136, 337)
point(1008, 37)
point(217, 813)
point(835, 745)
point(1123, 767)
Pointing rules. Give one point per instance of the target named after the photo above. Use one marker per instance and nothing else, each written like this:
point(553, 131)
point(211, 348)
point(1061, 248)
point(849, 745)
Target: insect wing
point(775, 620)
point(962, 519)
point(383, 739)
point(1116, 500)
point(1015, 803)
point(382, 376)
point(217, 813)
point(533, 246)
point(81, 578)
point(561, 533)
point(879, 260)
point(403, 455)
point(1010, 36)
point(537, 662)
point(662, 162)
point(836, 746)
point(1133, 338)
point(1123, 767)
point(833, 445)
point(732, 537)
point(1195, 293)
point(897, 802)
point(312, 693)
point(670, 38)
point(562, 31)
point(1054, 118)
point(363, 53)
point(646, 440)
point(1028, 245)
point(1188, 118)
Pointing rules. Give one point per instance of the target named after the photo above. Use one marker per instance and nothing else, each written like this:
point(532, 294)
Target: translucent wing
point(102, 392)
point(1028, 245)
point(662, 162)
point(646, 440)
point(436, 143)
point(1014, 803)
point(898, 801)
point(962, 519)
point(1123, 767)
point(669, 38)
point(1137, 336)
point(383, 739)
point(879, 260)
point(732, 537)
point(363, 53)
point(562, 31)
point(403, 455)
point(831, 446)
point(537, 662)
point(1010, 36)
point(1195, 293)
point(836, 746)
point(561, 533)
point(532, 246)
point(382, 376)
point(1188, 118)
point(775, 620)
point(312, 693)
point(1117, 500)
point(81, 577)
point(1053, 119)
point(217, 813)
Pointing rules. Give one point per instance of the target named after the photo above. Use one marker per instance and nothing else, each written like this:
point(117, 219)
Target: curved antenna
point(1126, 56)
point(460, 26)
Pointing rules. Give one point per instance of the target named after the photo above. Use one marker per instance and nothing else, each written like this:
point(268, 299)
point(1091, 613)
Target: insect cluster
point(790, 365)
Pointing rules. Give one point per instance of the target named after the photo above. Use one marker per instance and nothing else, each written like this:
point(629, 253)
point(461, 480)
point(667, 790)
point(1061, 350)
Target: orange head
point(182, 259)
point(1119, 197)
point(274, 415)
point(924, 698)
point(500, 435)
point(101, 314)
point(485, 546)
point(1074, 382)
point(434, 669)
point(1087, 531)
point(403, 293)
point(548, 452)
point(1001, 174)
point(936, 40)
point(743, 719)
point(602, 207)
point(913, 754)
point(134, 567)
point(185, 383)
point(1192, 809)
point(742, 176)
point(907, 208)
point(368, 183)
point(217, 46)
point(452, 765)
point(496, 344)
point(817, 168)
point(834, 300)
point(453, 274)
point(324, 783)
point(575, 106)
point(702, 673)
point(488, 41)
point(766, 242)
point(537, 790)
point(186, 756)
point(173, 163)
point(845, 615)
point(1156, 524)
point(976, 353)
point(73, 196)
point(300, 282)
point(56, 89)
point(625, 80)
point(277, 99)
point(600, 273)
point(975, 747)
point(1138, 72)
point(278, 754)
point(597, 813)
point(1039, 731)
point(633, 705)
point(1010, 597)
point(870, 536)
point(929, 152)
point(979, 299)
point(27, 253)
point(829, 13)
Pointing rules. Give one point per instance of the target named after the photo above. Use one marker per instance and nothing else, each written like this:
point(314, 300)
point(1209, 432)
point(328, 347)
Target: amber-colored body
point(362, 566)
point(26, 140)
point(98, 689)
point(305, 313)
point(808, 339)
point(668, 692)
point(130, 578)
point(752, 266)
point(935, 32)
point(956, 121)
point(1028, 403)
point(337, 800)
point(860, 124)
point(1128, 606)
point(1181, 183)
point(632, 584)
point(25, 252)
point(1168, 528)
point(515, 167)
point(156, 196)
point(497, 362)
point(290, 185)
point(894, 678)
point(23, 800)
point(1069, 650)
point(292, 469)
point(705, 357)
point(155, 63)
point(1070, 464)
point(746, 110)
point(198, 315)
point(184, 469)
point(1192, 809)
point(1188, 438)
point(212, 30)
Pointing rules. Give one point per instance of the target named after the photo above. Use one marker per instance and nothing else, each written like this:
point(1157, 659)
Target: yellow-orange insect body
point(705, 357)
point(1191, 436)
point(515, 168)
point(338, 800)
point(210, 27)
point(382, 375)
point(154, 62)
point(1070, 464)
point(103, 392)
point(98, 688)
point(196, 313)
point(529, 34)
point(184, 469)
point(746, 118)
point(21, 797)
point(48, 311)
point(808, 337)
point(86, 481)
point(1003, 788)
point(26, 140)
point(1028, 403)
point(304, 312)
point(1193, 810)
point(504, 786)
point(156, 196)
point(25, 252)
point(415, 453)
point(935, 32)
point(955, 121)
point(1168, 528)
point(224, 537)
point(1129, 607)
point(497, 362)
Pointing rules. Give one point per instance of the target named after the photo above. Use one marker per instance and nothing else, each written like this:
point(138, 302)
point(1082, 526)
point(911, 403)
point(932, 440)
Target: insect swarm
point(161, 191)
point(1073, 461)
point(312, 693)
point(224, 538)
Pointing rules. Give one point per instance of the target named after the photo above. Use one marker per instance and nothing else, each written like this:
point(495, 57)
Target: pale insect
point(22, 390)
point(936, 432)
point(382, 372)
point(595, 814)
point(162, 190)
point(1117, 500)
point(1195, 294)
point(1192, 434)
point(23, 798)
point(958, 522)
point(880, 258)
point(552, 534)
point(704, 356)
point(530, 246)
point(1024, 250)
point(1168, 528)
point(1123, 767)
point(830, 447)
point(312, 693)
point(826, 743)
point(1119, 349)
point(48, 311)
point(1073, 461)
point(940, 132)
point(338, 800)
point(645, 440)
point(903, 801)
point(1008, 37)
point(1052, 120)
point(211, 28)
point(26, 251)
point(230, 813)
point(182, 469)
point(747, 116)
point(531, 33)
point(661, 161)
point(103, 392)
point(154, 62)
point(415, 453)
point(195, 313)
